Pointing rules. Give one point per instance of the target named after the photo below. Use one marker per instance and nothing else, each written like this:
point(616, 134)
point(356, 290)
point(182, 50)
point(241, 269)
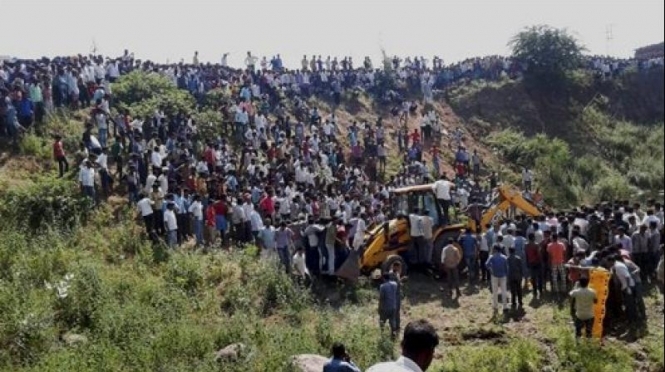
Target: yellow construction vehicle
point(386, 245)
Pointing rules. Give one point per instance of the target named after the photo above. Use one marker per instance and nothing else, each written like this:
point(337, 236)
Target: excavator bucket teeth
point(350, 269)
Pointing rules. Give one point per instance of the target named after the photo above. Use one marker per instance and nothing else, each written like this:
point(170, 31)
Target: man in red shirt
point(210, 157)
point(59, 155)
point(210, 221)
point(534, 260)
point(221, 221)
point(557, 258)
point(415, 136)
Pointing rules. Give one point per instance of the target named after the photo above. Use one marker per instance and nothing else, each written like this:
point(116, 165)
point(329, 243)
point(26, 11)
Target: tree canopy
point(548, 53)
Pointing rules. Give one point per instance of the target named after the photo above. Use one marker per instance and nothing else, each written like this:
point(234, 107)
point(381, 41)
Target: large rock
point(308, 362)
point(230, 353)
point(72, 339)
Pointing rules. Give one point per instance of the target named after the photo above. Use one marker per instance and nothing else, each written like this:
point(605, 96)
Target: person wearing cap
point(497, 265)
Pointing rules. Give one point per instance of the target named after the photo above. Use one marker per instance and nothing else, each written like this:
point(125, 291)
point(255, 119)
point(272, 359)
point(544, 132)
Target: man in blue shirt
point(388, 304)
point(340, 361)
point(470, 248)
point(498, 267)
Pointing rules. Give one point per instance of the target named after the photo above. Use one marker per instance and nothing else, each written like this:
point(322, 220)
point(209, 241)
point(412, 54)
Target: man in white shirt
point(527, 179)
point(149, 182)
point(144, 206)
point(442, 189)
point(104, 177)
point(416, 234)
point(196, 209)
point(300, 267)
point(426, 225)
point(87, 179)
point(418, 345)
point(627, 286)
point(171, 223)
point(156, 158)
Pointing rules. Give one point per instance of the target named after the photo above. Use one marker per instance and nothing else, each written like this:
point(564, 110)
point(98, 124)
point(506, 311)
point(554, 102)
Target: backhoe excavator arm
point(509, 197)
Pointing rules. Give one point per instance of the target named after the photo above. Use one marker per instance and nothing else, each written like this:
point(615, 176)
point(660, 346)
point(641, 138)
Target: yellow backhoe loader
point(386, 245)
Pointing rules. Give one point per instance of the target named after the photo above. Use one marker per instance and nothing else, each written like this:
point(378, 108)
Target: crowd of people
point(283, 175)
point(560, 249)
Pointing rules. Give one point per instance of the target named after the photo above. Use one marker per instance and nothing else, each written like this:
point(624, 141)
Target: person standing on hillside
point(87, 179)
point(144, 206)
point(418, 345)
point(660, 272)
point(171, 223)
point(283, 242)
point(426, 224)
point(534, 259)
point(556, 252)
point(59, 156)
point(497, 264)
point(442, 189)
point(527, 179)
point(388, 298)
point(470, 248)
point(450, 259)
point(196, 210)
point(515, 277)
point(157, 198)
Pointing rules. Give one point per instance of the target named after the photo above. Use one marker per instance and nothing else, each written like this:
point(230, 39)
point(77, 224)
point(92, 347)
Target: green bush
point(33, 145)
point(144, 93)
point(46, 204)
point(209, 124)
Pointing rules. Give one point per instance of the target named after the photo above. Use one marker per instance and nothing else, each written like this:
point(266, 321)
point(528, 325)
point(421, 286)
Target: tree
point(547, 54)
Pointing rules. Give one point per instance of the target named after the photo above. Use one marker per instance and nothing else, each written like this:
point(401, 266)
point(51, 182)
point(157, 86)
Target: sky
point(171, 30)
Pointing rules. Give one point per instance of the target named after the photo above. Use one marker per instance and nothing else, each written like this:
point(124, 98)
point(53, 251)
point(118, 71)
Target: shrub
point(33, 145)
point(46, 204)
point(143, 93)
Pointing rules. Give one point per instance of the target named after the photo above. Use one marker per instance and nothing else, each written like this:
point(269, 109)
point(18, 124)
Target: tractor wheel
point(441, 241)
point(394, 261)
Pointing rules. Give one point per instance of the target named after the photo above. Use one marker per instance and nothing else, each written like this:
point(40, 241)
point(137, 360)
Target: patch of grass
point(518, 355)
point(33, 145)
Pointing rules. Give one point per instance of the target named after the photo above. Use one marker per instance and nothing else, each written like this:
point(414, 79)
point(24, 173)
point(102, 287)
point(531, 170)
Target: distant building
point(650, 51)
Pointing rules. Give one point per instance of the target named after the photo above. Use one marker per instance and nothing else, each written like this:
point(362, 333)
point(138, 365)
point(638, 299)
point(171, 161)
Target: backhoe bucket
point(350, 269)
